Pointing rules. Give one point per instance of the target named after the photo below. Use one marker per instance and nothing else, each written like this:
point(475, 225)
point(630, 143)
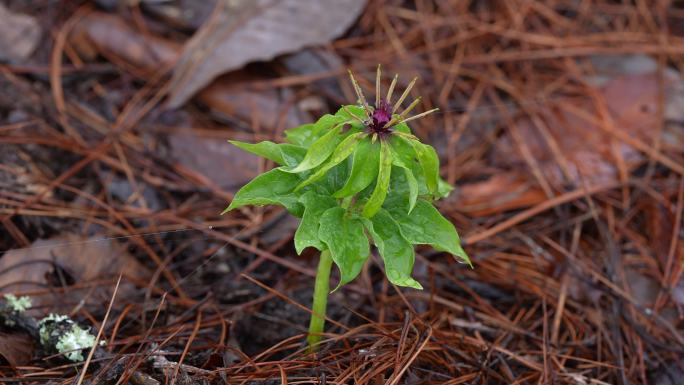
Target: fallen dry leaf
point(224, 164)
point(113, 38)
point(108, 35)
point(244, 31)
point(19, 35)
point(589, 154)
point(69, 258)
point(181, 14)
point(247, 105)
point(316, 61)
point(16, 348)
point(266, 109)
point(500, 192)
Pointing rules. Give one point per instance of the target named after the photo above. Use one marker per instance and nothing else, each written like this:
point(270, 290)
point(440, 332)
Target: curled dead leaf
point(243, 31)
point(108, 35)
point(264, 109)
point(65, 260)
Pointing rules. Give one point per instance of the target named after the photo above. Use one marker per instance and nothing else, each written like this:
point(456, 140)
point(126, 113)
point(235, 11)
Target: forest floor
point(561, 125)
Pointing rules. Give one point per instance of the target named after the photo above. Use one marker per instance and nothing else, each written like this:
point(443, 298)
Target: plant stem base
point(320, 301)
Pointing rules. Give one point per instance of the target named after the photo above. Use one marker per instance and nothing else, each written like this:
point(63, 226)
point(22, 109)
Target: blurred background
point(561, 125)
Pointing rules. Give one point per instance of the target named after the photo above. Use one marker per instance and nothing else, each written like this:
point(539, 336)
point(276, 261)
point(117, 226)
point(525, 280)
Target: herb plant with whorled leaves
point(356, 178)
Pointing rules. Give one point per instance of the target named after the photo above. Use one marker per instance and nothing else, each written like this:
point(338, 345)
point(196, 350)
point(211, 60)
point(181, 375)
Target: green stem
point(320, 300)
point(346, 202)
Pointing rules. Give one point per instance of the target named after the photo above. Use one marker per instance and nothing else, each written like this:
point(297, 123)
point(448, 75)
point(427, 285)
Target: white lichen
point(18, 305)
point(45, 330)
point(71, 343)
point(54, 318)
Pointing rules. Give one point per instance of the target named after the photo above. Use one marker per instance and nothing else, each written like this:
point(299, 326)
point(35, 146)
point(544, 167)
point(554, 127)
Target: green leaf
point(320, 150)
point(282, 153)
point(274, 187)
point(399, 192)
point(426, 226)
point(402, 127)
point(380, 192)
point(341, 152)
point(346, 241)
point(396, 252)
point(306, 134)
point(357, 111)
point(413, 188)
point(429, 161)
point(443, 188)
point(364, 169)
point(303, 135)
point(307, 232)
point(402, 156)
point(334, 179)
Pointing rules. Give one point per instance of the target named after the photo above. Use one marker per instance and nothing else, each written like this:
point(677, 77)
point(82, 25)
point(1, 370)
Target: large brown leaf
point(19, 35)
point(64, 260)
point(591, 155)
point(244, 31)
point(110, 36)
point(16, 348)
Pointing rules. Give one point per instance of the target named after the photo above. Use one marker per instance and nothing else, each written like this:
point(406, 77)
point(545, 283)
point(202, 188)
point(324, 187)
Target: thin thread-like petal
point(414, 117)
point(410, 107)
point(378, 75)
point(390, 91)
point(404, 95)
point(403, 114)
point(359, 93)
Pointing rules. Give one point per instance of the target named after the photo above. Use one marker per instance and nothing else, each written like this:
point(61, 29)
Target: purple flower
point(381, 118)
point(382, 114)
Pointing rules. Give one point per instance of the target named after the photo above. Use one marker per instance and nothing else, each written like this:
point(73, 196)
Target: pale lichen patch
point(60, 333)
point(20, 304)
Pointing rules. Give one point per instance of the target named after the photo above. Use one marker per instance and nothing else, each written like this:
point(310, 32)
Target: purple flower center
point(380, 117)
